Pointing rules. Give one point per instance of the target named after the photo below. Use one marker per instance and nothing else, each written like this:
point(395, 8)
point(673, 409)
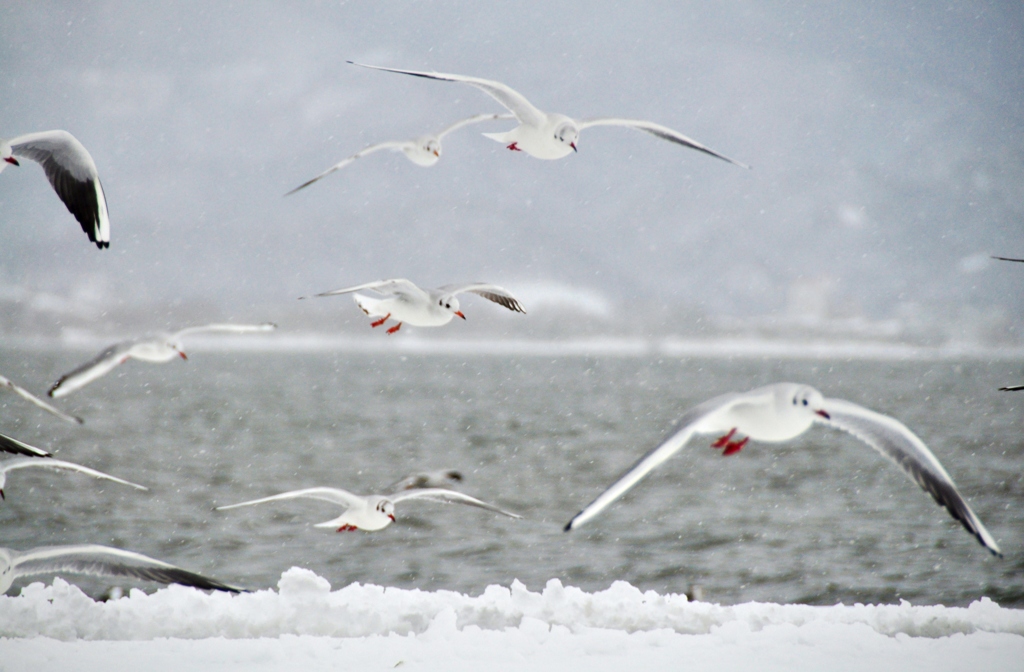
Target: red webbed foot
point(723, 441)
point(514, 147)
point(381, 321)
point(395, 328)
point(347, 528)
point(735, 446)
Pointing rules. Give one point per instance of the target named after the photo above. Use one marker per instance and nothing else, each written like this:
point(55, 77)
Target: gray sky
point(887, 141)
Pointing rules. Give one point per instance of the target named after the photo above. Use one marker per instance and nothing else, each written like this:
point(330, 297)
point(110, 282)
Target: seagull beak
point(824, 414)
point(437, 154)
point(2, 495)
point(459, 313)
point(182, 355)
point(573, 145)
point(11, 160)
point(392, 517)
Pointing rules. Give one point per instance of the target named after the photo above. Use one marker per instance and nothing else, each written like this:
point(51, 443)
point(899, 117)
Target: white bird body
point(72, 174)
point(370, 513)
point(404, 302)
point(784, 411)
point(97, 561)
point(549, 135)
point(424, 151)
point(50, 463)
point(156, 349)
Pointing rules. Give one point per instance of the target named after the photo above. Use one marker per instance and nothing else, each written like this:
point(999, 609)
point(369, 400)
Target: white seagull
point(423, 151)
point(405, 302)
point(25, 394)
point(97, 561)
point(9, 445)
point(547, 135)
point(426, 479)
point(783, 411)
point(372, 512)
point(71, 172)
point(158, 348)
point(24, 462)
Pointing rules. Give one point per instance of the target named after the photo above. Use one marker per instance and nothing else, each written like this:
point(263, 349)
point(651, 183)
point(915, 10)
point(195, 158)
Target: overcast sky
point(887, 141)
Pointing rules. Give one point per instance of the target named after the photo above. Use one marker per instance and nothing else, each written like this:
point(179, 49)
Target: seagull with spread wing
point(157, 349)
point(405, 302)
point(783, 411)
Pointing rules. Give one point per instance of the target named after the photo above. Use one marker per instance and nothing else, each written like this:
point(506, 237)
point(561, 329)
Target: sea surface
point(819, 520)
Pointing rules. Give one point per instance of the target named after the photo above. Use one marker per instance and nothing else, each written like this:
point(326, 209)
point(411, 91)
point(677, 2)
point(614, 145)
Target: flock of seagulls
point(769, 414)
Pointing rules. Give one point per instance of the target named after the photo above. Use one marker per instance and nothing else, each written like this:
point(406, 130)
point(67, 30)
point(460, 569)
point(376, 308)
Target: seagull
point(158, 348)
point(372, 512)
point(405, 302)
point(783, 411)
point(9, 445)
point(25, 394)
point(547, 135)
point(97, 561)
point(423, 151)
point(426, 479)
point(71, 172)
point(23, 462)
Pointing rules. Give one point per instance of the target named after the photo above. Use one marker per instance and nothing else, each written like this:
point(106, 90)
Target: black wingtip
point(568, 527)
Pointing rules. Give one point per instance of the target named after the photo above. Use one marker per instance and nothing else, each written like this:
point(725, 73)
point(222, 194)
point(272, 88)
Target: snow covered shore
point(304, 623)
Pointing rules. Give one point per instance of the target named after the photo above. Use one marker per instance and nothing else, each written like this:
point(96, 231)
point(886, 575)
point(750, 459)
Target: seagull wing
point(72, 173)
point(225, 329)
point(105, 561)
point(394, 144)
point(23, 462)
point(892, 439)
point(662, 132)
point(516, 103)
point(450, 497)
point(1008, 259)
point(1011, 388)
point(334, 495)
point(425, 479)
point(25, 394)
point(475, 119)
point(687, 426)
point(397, 286)
point(96, 367)
point(490, 292)
point(9, 445)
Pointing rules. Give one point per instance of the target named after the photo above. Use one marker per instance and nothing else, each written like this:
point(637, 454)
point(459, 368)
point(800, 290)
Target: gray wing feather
point(394, 144)
point(104, 561)
point(25, 462)
point(333, 495)
point(494, 293)
point(9, 445)
point(97, 367)
point(450, 497)
point(475, 119)
point(895, 441)
point(25, 394)
point(669, 446)
point(663, 132)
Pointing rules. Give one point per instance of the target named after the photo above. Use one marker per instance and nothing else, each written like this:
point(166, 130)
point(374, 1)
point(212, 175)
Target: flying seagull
point(548, 135)
point(71, 172)
point(783, 411)
point(158, 348)
point(372, 512)
point(405, 302)
point(423, 151)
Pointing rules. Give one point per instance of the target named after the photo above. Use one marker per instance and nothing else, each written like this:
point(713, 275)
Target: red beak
point(182, 354)
point(13, 161)
point(824, 415)
point(573, 145)
point(392, 517)
point(459, 313)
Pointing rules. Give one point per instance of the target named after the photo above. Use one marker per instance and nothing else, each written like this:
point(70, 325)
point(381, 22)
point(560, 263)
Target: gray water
point(819, 520)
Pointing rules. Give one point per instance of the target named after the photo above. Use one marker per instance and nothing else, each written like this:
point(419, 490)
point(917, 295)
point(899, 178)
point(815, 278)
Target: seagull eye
point(805, 402)
point(447, 305)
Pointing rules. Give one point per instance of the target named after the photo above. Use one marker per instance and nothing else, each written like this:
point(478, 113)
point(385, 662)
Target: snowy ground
point(304, 625)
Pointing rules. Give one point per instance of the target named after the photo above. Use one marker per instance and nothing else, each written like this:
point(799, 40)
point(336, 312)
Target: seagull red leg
point(395, 328)
point(347, 528)
point(723, 441)
point(735, 446)
point(514, 147)
point(381, 321)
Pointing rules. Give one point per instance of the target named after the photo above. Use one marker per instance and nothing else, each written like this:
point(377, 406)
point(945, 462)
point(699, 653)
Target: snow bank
point(305, 605)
